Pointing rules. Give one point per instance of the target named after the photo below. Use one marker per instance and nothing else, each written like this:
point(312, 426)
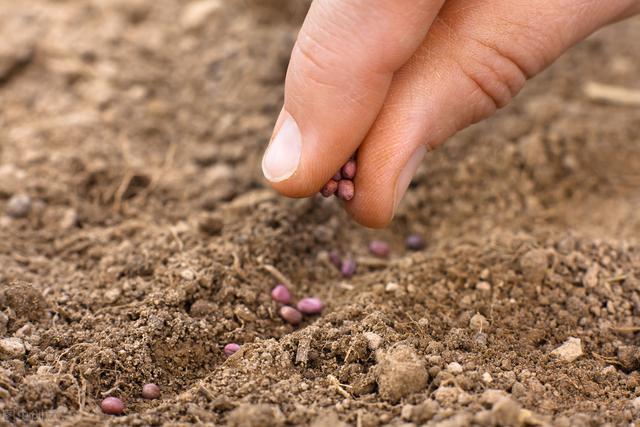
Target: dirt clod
point(400, 372)
point(570, 350)
point(260, 415)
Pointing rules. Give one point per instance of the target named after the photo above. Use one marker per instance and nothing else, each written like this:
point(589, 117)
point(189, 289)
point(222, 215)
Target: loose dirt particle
point(281, 294)
point(379, 248)
point(19, 206)
point(150, 391)
point(310, 306)
point(291, 315)
point(534, 265)
point(112, 406)
point(231, 349)
point(569, 351)
point(455, 368)
point(400, 372)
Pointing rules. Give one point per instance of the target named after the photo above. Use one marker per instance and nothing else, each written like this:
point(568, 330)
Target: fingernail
point(407, 174)
point(282, 157)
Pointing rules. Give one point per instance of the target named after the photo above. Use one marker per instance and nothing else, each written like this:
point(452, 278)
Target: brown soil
point(136, 127)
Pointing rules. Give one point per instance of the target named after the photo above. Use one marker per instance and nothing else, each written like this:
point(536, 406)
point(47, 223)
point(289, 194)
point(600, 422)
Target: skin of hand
point(394, 78)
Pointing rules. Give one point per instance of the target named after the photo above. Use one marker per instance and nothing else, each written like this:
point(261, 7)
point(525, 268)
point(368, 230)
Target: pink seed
point(231, 348)
point(348, 267)
point(379, 248)
point(415, 242)
point(329, 188)
point(349, 170)
point(310, 306)
point(290, 315)
point(112, 406)
point(337, 176)
point(335, 258)
point(150, 391)
point(346, 190)
point(281, 294)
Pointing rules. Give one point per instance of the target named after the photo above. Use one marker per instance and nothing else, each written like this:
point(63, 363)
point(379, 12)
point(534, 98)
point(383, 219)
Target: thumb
point(340, 71)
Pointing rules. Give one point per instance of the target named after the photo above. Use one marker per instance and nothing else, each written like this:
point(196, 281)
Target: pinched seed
point(290, 315)
point(329, 188)
point(379, 248)
point(348, 267)
point(349, 170)
point(415, 242)
point(346, 190)
point(150, 391)
point(112, 406)
point(231, 348)
point(337, 176)
point(281, 294)
point(310, 306)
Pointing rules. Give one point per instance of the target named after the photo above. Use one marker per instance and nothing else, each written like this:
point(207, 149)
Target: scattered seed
point(349, 170)
point(335, 258)
point(329, 188)
point(415, 242)
point(310, 306)
point(112, 406)
point(290, 315)
point(281, 294)
point(379, 248)
point(19, 206)
point(346, 190)
point(231, 348)
point(348, 267)
point(150, 391)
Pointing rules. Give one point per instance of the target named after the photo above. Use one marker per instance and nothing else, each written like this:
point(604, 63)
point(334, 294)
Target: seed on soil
point(19, 206)
point(231, 348)
point(290, 315)
point(281, 294)
point(329, 188)
point(348, 267)
point(415, 242)
point(112, 406)
point(335, 258)
point(379, 248)
point(310, 306)
point(346, 190)
point(349, 170)
point(151, 391)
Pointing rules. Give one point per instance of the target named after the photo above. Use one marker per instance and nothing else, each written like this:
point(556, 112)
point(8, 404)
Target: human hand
point(392, 78)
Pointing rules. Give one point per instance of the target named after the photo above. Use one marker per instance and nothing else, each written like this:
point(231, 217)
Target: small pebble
point(231, 348)
point(281, 294)
point(290, 315)
point(335, 258)
point(348, 267)
point(329, 188)
point(379, 248)
point(415, 242)
point(310, 306)
point(346, 190)
point(349, 170)
point(112, 406)
point(19, 206)
point(150, 391)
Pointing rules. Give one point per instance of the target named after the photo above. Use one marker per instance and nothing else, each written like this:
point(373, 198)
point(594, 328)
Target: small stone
point(281, 294)
point(406, 412)
point(231, 349)
point(348, 267)
point(415, 242)
point(487, 378)
point(483, 287)
point(379, 248)
point(290, 315)
point(400, 372)
point(570, 350)
point(19, 206)
point(391, 287)
point(329, 188)
point(112, 406)
point(310, 306)
point(150, 391)
point(197, 13)
point(187, 274)
point(609, 370)
point(11, 348)
point(478, 322)
point(346, 190)
point(455, 368)
point(374, 340)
